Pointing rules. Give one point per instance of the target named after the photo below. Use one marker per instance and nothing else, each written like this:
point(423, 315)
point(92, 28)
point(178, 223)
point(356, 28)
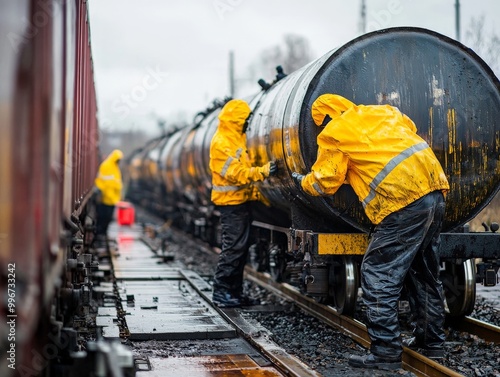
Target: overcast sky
point(169, 59)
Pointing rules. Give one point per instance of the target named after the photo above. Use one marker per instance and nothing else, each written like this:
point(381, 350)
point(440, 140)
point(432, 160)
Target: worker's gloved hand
point(297, 178)
point(273, 168)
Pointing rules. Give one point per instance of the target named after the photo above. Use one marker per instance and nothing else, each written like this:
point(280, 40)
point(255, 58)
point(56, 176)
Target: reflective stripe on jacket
point(377, 151)
point(109, 179)
point(232, 171)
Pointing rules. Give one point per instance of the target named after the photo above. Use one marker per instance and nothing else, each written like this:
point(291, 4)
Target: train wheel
point(459, 282)
point(257, 257)
point(277, 263)
point(344, 284)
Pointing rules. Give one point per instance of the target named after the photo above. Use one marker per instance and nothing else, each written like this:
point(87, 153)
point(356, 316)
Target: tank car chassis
point(325, 266)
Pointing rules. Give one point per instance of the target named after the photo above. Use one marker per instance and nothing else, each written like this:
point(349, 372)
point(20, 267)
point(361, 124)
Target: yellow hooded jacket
point(109, 179)
point(377, 151)
point(232, 171)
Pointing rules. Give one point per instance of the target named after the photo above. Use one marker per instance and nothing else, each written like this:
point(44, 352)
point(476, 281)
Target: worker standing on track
point(232, 188)
point(109, 185)
point(401, 185)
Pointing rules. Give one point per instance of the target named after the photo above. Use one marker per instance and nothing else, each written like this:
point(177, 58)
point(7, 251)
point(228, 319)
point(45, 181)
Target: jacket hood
point(329, 104)
point(115, 155)
point(233, 114)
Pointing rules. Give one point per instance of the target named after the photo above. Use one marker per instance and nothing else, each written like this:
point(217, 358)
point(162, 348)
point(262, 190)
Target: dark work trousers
point(104, 214)
point(405, 245)
point(235, 222)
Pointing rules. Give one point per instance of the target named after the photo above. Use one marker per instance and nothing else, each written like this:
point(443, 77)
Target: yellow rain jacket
point(232, 171)
point(109, 179)
point(377, 151)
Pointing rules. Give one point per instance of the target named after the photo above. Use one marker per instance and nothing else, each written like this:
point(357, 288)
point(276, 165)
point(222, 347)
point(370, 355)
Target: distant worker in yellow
point(232, 188)
point(109, 185)
point(401, 185)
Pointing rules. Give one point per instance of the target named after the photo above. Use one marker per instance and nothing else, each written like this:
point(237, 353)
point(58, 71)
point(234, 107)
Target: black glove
point(273, 168)
point(297, 178)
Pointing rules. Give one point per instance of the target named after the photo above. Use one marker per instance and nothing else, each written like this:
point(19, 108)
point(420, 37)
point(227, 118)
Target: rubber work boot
point(225, 300)
point(430, 352)
point(371, 361)
point(248, 301)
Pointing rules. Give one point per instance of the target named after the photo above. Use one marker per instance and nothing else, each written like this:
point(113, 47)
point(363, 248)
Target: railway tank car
point(317, 243)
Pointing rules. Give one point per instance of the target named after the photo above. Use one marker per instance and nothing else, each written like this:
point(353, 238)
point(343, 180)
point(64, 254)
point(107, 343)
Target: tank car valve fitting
point(264, 85)
point(280, 74)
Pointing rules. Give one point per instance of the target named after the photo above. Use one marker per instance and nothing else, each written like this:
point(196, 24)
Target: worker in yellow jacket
point(109, 185)
point(402, 187)
point(233, 178)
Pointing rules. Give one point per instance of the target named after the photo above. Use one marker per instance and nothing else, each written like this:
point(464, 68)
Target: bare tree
point(485, 45)
point(293, 54)
point(126, 141)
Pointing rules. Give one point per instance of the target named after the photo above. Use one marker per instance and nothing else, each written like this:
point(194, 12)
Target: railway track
point(481, 329)
point(412, 361)
point(157, 300)
point(286, 363)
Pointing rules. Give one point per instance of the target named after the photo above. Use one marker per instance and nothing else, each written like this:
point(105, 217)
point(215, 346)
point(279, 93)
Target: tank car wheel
point(257, 256)
point(459, 283)
point(344, 284)
point(277, 263)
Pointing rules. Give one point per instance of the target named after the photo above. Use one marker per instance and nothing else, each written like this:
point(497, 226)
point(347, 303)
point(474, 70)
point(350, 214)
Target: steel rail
point(412, 361)
point(287, 364)
point(483, 330)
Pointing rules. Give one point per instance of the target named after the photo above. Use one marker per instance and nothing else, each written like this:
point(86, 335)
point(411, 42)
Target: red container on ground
point(126, 213)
